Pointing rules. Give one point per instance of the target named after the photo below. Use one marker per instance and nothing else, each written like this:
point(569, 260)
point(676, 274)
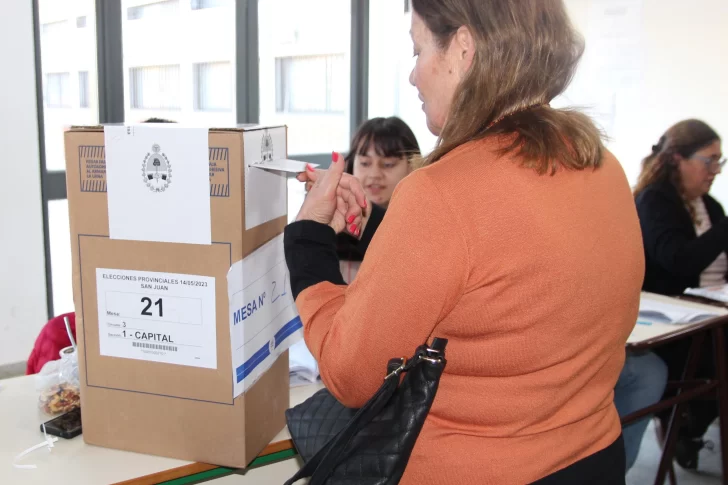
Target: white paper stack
point(659, 309)
point(302, 365)
point(716, 293)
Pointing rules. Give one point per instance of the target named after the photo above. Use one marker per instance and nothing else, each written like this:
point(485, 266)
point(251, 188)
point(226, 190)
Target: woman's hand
point(334, 198)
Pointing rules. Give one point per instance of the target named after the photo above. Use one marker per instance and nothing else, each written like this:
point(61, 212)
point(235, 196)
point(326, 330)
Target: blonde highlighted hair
point(526, 54)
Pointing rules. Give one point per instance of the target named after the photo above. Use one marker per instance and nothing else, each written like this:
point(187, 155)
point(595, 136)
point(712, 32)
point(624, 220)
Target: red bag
point(52, 338)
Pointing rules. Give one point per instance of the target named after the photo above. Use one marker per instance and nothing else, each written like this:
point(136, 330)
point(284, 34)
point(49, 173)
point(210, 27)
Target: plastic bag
point(58, 384)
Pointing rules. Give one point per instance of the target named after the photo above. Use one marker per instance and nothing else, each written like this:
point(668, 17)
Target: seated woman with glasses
point(685, 230)
point(685, 235)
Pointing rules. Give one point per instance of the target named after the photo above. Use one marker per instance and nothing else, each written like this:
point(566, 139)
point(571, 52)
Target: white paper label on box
point(264, 320)
point(265, 191)
point(158, 183)
point(158, 317)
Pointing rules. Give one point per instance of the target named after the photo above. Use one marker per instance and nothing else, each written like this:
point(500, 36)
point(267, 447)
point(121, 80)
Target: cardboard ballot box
point(180, 288)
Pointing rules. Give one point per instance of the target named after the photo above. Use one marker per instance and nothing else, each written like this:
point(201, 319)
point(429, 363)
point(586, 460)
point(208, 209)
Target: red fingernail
point(351, 219)
point(334, 157)
point(357, 233)
point(310, 168)
point(353, 229)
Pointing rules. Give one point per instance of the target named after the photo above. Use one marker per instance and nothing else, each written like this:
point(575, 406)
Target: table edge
point(681, 331)
point(195, 468)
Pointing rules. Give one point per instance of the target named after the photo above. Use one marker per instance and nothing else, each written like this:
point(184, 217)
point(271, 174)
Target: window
point(68, 69)
point(64, 52)
point(154, 87)
point(213, 86)
point(200, 4)
point(165, 8)
point(182, 67)
point(304, 71)
point(83, 89)
point(57, 90)
point(307, 84)
point(390, 64)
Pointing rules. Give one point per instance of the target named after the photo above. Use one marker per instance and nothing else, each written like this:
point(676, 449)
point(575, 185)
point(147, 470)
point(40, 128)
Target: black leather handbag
point(370, 445)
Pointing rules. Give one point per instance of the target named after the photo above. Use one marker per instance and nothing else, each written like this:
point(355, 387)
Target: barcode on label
point(154, 346)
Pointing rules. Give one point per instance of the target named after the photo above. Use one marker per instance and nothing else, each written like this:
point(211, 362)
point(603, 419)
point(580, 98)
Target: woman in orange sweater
point(518, 242)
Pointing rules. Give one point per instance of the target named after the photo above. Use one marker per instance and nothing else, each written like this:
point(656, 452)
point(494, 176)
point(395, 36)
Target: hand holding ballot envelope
point(334, 198)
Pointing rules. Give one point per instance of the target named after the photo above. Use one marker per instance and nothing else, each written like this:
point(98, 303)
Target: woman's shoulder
point(490, 147)
point(658, 192)
point(474, 156)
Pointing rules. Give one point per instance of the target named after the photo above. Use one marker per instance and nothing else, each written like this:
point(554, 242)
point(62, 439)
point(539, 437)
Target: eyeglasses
point(712, 163)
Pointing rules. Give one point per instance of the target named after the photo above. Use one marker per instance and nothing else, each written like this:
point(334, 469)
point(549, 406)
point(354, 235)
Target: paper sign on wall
point(158, 183)
point(158, 317)
point(265, 190)
point(264, 321)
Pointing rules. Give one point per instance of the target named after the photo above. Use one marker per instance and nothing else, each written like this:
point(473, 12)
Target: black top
point(311, 251)
point(351, 249)
point(674, 254)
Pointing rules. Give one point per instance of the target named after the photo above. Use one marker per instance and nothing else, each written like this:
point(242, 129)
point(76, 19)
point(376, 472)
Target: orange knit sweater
point(535, 281)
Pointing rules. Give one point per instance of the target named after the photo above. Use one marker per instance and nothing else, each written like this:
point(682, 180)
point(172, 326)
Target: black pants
point(606, 467)
point(700, 413)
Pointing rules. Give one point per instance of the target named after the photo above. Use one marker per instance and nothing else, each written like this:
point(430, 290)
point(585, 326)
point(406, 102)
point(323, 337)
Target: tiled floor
point(709, 468)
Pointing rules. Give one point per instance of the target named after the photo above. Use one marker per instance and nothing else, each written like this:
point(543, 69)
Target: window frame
point(83, 90)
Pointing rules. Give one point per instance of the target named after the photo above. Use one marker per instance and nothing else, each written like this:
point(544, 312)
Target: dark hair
point(157, 120)
point(390, 137)
point(683, 139)
point(526, 53)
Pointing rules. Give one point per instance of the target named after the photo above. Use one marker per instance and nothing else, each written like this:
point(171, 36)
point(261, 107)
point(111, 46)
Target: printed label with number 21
point(159, 317)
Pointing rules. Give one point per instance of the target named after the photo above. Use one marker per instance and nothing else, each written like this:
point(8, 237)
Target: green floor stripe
point(222, 471)
point(197, 477)
point(273, 457)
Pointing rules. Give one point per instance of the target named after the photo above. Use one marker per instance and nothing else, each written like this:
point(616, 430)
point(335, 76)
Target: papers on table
point(661, 315)
point(302, 366)
point(654, 309)
point(716, 293)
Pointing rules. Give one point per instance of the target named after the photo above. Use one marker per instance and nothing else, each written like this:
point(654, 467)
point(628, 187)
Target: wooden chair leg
point(719, 354)
point(671, 433)
point(660, 432)
point(671, 475)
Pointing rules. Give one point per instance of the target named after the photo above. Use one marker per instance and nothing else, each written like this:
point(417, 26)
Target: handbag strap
point(322, 464)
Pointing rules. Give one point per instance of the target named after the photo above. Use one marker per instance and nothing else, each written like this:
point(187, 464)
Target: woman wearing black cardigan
point(380, 156)
point(685, 234)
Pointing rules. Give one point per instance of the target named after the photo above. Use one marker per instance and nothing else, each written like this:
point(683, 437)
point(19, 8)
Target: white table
point(647, 333)
point(75, 462)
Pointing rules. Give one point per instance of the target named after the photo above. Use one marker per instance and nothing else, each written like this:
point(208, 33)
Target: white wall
point(22, 261)
point(682, 74)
